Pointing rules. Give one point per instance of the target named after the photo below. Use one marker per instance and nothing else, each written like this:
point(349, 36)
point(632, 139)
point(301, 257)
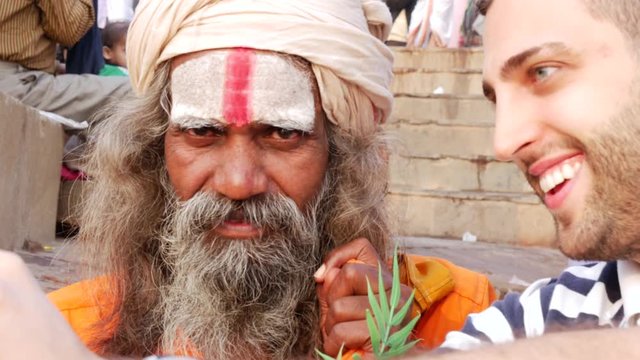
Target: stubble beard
point(232, 299)
point(608, 228)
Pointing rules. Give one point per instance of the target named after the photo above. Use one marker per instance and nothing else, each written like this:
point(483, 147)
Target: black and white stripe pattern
point(581, 297)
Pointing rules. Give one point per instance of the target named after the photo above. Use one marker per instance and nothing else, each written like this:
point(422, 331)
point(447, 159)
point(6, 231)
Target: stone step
point(443, 110)
point(433, 141)
point(497, 218)
point(450, 174)
point(426, 82)
point(438, 59)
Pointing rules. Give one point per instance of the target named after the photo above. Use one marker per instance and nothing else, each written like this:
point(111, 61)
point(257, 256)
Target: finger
point(353, 335)
point(352, 280)
point(359, 249)
point(346, 309)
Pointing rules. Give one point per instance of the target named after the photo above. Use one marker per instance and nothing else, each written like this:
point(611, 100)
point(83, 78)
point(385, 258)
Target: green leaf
point(377, 313)
point(339, 357)
point(400, 350)
point(374, 333)
point(323, 355)
point(357, 357)
point(401, 336)
point(384, 305)
point(395, 287)
point(402, 313)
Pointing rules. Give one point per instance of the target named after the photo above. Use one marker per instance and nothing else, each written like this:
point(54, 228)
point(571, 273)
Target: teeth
point(567, 171)
point(545, 185)
point(576, 167)
point(558, 175)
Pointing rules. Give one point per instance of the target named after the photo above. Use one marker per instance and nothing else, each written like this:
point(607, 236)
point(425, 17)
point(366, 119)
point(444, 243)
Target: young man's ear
point(107, 53)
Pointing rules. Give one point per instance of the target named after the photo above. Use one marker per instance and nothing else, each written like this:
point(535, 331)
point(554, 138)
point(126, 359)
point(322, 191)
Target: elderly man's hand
point(342, 293)
point(30, 326)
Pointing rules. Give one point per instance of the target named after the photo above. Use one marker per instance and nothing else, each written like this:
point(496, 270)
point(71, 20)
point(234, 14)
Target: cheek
point(185, 173)
point(302, 178)
point(577, 111)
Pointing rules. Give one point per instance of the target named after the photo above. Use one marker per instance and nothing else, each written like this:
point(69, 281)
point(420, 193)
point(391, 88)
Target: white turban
point(342, 39)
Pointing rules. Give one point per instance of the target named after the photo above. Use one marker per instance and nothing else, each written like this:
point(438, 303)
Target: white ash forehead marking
point(281, 94)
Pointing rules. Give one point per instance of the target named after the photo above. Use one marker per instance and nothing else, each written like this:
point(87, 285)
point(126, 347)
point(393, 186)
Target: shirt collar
point(629, 278)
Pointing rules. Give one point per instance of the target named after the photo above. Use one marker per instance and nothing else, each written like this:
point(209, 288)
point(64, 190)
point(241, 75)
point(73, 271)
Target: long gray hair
point(122, 214)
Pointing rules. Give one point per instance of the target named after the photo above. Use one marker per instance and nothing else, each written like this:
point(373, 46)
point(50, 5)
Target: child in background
point(114, 40)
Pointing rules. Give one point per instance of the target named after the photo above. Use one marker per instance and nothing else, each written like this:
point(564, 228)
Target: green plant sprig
point(385, 344)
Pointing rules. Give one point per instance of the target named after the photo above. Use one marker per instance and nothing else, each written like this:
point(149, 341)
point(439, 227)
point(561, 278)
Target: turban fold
point(342, 39)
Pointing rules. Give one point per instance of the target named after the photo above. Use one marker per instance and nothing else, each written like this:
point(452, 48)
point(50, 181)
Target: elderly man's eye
point(287, 134)
point(205, 131)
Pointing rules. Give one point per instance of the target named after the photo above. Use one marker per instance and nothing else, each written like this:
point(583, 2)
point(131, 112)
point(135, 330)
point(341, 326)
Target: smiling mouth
point(553, 179)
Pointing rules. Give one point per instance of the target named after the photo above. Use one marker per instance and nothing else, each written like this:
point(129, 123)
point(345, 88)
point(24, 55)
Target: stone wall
point(445, 180)
point(30, 158)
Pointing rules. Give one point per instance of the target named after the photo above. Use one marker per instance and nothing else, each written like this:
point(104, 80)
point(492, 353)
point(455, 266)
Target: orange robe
point(444, 295)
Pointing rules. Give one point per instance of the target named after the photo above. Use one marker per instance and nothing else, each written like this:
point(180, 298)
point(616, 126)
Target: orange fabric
point(472, 292)
point(84, 304)
point(445, 294)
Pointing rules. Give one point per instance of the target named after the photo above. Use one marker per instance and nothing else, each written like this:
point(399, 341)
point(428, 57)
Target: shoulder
point(84, 305)
point(83, 294)
point(446, 294)
point(469, 285)
point(576, 298)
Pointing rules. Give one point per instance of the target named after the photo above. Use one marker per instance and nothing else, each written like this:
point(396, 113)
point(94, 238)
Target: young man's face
point(566, 104)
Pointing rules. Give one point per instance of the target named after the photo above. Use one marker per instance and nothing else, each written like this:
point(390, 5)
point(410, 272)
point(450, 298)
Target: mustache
point(205, 211)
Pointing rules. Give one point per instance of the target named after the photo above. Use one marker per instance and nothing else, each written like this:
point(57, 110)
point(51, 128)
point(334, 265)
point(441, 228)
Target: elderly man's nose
point(240, 176)
point(517, 127)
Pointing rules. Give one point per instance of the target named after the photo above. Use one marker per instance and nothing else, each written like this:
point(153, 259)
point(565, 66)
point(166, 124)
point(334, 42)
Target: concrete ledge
point(440, 110)
point(435, 141)
point(30, 156)
point(426, 83)
point(452, 174)
point(491, 220)
point(442, 59)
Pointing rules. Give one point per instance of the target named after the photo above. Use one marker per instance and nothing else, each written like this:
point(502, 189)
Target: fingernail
point(320, 272)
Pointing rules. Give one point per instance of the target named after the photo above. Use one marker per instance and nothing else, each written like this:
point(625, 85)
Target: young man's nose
point(517, 127)
point(240, 174)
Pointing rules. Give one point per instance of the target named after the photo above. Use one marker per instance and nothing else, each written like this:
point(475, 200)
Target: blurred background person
point(114, 41)
point(29, 31)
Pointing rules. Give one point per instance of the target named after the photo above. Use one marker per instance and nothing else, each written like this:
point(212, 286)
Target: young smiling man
point(237, 206)
point(564, 78)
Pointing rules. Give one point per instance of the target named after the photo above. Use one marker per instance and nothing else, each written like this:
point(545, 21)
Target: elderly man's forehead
point(297, 62)
point(237, 86)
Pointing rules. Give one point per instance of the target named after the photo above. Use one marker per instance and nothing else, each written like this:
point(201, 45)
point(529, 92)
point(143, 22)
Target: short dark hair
point(114, 32)
point(624, 14)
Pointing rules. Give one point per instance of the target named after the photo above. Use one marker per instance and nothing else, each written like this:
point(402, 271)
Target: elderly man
point(566, 86)
point(252, 152)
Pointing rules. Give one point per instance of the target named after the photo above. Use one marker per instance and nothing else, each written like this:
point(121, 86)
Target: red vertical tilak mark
point(237, 86)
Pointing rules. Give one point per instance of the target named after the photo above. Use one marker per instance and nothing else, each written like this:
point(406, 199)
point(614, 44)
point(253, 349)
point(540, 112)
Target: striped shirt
point(603, 294)
point(30, 29)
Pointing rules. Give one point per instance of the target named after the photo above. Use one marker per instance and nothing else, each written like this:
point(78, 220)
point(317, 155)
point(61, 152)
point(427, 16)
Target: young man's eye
point(543, 72)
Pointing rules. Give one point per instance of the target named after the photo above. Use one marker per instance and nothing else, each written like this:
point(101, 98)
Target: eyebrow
point(196, 122)
point(516, 61)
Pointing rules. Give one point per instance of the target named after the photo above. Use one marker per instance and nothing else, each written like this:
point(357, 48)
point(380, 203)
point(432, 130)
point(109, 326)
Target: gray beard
point(231, 299)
